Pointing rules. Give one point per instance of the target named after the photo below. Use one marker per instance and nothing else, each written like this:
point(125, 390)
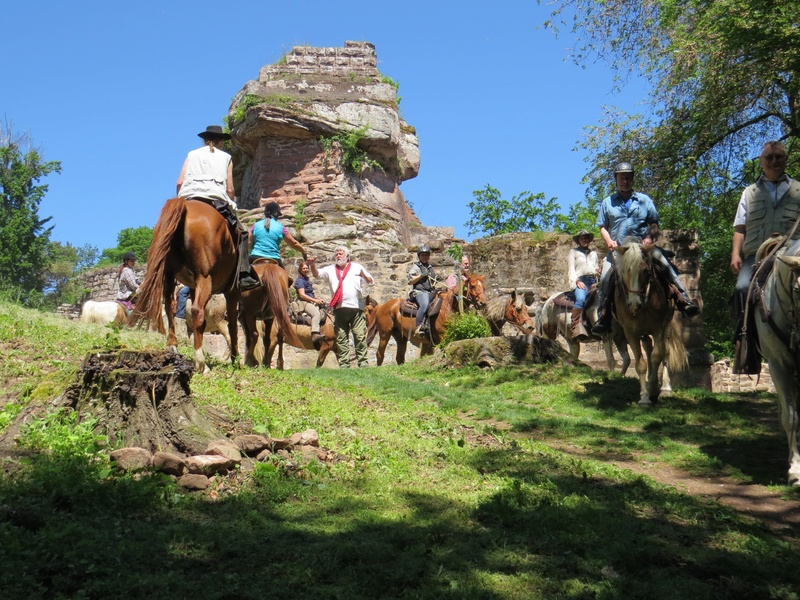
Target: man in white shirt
point(347, 300)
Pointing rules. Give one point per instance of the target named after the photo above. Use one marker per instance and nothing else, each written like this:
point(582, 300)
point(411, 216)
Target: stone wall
point(355, 58)
point(99, 285)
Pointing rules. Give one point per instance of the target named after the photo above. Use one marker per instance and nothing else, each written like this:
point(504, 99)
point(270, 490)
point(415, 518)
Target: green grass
point(448, 484)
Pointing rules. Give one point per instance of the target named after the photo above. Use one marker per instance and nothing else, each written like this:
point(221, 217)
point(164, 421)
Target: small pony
point(509, 309)
point(109, 312)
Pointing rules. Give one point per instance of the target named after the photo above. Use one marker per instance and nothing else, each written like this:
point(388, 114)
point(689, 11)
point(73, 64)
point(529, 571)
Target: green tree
point(490, 214)
point(66, 262)
point(723, 80)
point(137, 240)
point(24, 237)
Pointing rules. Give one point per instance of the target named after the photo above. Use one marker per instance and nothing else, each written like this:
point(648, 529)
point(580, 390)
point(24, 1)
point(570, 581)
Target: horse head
point(633, 274)
point(516, 313)
point(474, 291)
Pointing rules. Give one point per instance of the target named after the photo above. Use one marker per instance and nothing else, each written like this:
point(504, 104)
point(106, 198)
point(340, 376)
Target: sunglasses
point(770, 157)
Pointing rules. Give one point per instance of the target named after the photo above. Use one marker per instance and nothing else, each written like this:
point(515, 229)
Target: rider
point(268, 233)
point(421, 277)
point(127, 281)
point(631, 214)
point(207, 174)
point(306, 301)
point(582, 275)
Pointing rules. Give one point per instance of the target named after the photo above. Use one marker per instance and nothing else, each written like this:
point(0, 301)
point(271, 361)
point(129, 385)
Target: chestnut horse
point(643, 309)
point(388, 321)
point(324, 345)
point(193, 244)
point(777, 322)
point(512, 309)
point(265, 306)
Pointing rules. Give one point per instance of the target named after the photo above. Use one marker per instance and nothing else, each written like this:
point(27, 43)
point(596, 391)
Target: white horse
point(778, 334)
point(552, 320)
point(103, 313)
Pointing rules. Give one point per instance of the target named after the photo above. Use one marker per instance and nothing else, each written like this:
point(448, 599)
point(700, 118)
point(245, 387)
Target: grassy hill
point(447, 483)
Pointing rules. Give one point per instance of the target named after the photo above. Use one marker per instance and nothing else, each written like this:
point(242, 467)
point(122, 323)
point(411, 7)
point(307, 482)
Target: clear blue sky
point(118, 91)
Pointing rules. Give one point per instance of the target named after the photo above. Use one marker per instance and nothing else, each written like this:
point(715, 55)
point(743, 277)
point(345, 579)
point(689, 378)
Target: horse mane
point(495, 308)
point(631, 262)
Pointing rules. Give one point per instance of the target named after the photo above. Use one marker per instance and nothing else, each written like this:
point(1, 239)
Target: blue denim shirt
point(622, 221)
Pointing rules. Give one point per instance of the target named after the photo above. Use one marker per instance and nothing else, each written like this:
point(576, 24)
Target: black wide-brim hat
point(583, 232)
point(214, 132)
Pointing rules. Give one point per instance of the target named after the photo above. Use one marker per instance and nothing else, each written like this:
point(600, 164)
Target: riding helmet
point(623, 167)
point(424, 249)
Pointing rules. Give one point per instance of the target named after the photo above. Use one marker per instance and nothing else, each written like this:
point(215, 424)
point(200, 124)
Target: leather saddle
point(408, 308)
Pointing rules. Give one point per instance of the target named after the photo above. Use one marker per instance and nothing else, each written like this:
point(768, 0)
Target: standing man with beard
point(347, 300)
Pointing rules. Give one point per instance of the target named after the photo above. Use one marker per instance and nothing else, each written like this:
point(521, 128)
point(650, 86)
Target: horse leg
point(169, 308)
point(402, 345)
point(202, 293)
point(232, 334)
point(640, 362)
point(781, 370)
point(622, 347)
point(655, 350)
point(608, 348)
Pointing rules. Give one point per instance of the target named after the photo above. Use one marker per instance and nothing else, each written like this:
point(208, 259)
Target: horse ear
point(514, 295)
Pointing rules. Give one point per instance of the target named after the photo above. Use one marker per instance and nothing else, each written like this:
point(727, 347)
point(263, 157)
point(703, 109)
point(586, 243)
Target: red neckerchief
point(340, 274)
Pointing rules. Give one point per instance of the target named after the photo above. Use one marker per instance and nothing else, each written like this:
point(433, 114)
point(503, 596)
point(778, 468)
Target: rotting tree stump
point(141, 399)
point(493, 352)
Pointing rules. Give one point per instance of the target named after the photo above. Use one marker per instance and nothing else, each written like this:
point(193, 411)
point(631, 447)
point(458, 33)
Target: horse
point(324, 345)
point(777, 324)
point(389, 321)
point(216, 319)
point(104, 313)
point(512, 309)
point(193, 244)
point(263, 307)
point(643, 309)
point(553, 319)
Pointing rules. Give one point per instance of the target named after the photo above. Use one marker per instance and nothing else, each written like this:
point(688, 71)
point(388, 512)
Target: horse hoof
point(645, 402)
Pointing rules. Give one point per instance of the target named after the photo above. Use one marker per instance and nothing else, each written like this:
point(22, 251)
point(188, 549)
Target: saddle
point(301, 318)
point(127, 305)
point(408, 308)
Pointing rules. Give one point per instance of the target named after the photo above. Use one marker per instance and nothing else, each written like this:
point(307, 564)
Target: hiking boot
point(422, 330)
point(600, 328)
point(246, 282)
point(689, 309)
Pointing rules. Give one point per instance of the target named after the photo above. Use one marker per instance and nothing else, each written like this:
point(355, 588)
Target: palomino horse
point(511, 309)
point(109, 312)
point(777, 323)
point(193, 244)
point(263, 307)
point(388, 321)
point(552, 320)
point(644, 312)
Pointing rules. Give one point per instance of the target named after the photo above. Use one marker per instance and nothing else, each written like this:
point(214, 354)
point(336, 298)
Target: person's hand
point(613, 245)
point(581, 285)
point(311, 260)
point(736, 264)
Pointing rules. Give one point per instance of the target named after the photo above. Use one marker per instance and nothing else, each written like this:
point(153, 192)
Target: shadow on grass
point(551, 531)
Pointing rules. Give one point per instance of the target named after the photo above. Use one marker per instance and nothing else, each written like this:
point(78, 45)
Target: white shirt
point(776, 189)
point(206, 175)
point(352, 296)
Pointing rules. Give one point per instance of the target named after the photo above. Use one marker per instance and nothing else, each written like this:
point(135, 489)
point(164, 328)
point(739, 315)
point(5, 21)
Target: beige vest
point(764, 219)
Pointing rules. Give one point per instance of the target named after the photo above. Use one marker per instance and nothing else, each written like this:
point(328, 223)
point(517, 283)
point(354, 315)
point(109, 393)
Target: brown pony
point(643, 310)
point(263, 307)
point(193, 244)
point(512, 309)
point(388, 321)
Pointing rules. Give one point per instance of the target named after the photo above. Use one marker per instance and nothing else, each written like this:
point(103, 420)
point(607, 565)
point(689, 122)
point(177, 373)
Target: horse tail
point(278, 294)
point(372, 329)
point(151, 293)
point(677, 357)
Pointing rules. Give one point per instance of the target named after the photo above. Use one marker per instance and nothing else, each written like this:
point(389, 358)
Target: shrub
point(466, 326)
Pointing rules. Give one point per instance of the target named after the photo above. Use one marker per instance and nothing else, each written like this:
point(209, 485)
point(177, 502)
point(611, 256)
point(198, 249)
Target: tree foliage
point(24, 237)
point(723, 78)
point(132, 239)
point(491, 214)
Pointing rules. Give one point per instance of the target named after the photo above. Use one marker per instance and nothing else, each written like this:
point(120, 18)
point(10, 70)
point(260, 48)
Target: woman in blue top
point(266, 236)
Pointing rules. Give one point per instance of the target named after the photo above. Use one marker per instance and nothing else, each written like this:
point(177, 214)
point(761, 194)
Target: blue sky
point(118, 91)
